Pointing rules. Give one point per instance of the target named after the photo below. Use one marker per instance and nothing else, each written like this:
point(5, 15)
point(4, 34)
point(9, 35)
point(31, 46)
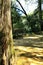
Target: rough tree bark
point(6, 39)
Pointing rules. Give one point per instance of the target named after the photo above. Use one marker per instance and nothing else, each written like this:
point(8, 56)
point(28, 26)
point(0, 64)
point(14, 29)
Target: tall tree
point(6, 39)
point(40, 13)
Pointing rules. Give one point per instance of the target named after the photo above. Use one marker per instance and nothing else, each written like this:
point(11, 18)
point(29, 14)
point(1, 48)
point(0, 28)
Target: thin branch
point(18, 9)
point(22, 7)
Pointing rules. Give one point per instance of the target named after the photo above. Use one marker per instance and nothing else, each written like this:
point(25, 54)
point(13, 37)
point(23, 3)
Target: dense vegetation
point(26, 24)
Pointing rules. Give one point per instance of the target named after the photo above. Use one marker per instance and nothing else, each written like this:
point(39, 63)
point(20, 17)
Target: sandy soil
point(29, 51)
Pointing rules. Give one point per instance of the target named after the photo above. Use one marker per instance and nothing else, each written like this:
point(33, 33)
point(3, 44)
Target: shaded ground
point(36, 41)
point(29, 51)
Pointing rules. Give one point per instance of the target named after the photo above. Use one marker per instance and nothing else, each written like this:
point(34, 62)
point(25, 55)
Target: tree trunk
point(6, 40)
point(40, 14)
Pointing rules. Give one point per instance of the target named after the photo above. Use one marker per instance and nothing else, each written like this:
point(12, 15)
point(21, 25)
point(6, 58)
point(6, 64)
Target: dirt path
point(29, 55)
point(29, 51)
point(30, 42)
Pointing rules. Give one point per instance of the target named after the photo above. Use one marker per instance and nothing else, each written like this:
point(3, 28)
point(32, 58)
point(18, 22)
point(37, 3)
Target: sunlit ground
point(29, 51)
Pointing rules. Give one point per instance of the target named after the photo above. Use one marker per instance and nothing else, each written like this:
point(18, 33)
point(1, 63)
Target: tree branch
point(22, 7)
point(18, 9)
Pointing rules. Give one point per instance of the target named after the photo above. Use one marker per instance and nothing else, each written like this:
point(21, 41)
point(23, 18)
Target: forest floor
point(29, 50)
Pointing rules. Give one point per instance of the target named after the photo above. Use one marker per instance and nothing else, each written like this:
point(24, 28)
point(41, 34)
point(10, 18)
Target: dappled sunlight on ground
point(29, 50)
point(29, 55)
